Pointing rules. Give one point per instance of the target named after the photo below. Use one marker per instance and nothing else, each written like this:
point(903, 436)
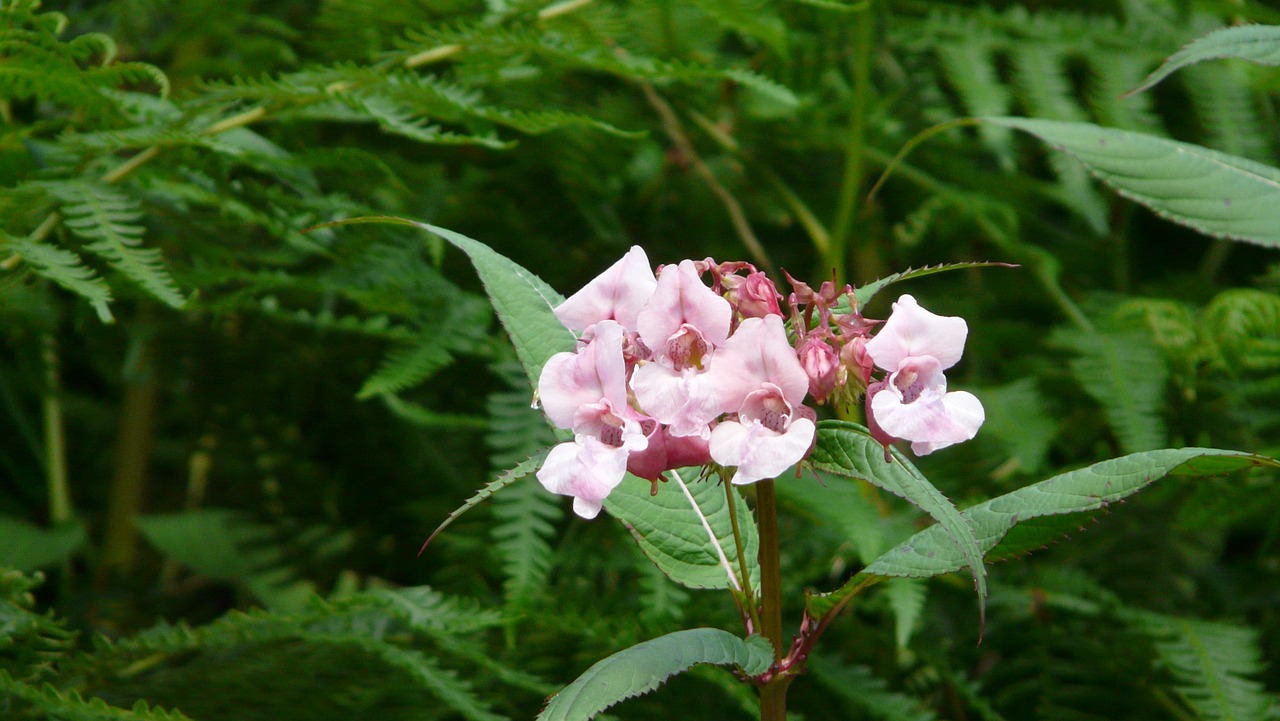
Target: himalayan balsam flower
point(587, 392)
point(683, 323)
point(618, 294)
point(760, 381)
point(915, 347)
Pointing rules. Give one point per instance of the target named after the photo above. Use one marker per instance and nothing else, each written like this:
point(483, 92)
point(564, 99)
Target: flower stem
point(752, 607)
point(773, 695)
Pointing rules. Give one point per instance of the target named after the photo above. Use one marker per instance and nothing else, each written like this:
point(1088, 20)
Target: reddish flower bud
point(756, 296)
point(819, 362)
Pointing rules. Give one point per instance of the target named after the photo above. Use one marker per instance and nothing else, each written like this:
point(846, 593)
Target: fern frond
point(752, 18)
point(1211, 663)
point(526, 513)
point(1224, 103)
point(108, 218)
point(1244, 327)
point(1126, 375)
point(71, 706)
point(971, 70)
point(856, 685)
point(67, 270)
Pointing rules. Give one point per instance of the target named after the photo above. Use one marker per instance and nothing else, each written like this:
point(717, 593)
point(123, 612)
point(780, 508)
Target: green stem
point(747, 591)
point(55, 436)
point(132, 458)
point(773, 695)
point(850, 187)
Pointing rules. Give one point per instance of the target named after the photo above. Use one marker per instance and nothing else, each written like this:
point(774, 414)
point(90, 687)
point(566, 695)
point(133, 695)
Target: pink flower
point(616, 294)
point(915, 346)
point(758, 378)
point(586, 391)
point(682, 324)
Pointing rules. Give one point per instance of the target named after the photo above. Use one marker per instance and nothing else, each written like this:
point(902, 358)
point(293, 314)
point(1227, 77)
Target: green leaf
point(1255, 43)
point(1214, 193)
point(67, 270)
point(906, 600)
point(645, 666)
point(670, 528)
point(847, 449)
point(1212, 663)
point(931, 552)
point(522, 470)
point(865, 293)
point(523, 301)
point(27, 546)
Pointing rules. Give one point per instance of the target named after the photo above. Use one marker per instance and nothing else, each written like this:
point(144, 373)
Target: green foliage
point(1126, 375)
point(848, 449)
point(1211, 663)
point(686, 529)
point(643, 667)
point(28, 547)
point(1255, 43)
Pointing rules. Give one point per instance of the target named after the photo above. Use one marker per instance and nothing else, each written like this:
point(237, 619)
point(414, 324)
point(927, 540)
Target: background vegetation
point(225, 437)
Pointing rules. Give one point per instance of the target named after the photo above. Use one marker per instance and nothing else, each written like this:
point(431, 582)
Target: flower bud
point(819, 362)
point(756, 296)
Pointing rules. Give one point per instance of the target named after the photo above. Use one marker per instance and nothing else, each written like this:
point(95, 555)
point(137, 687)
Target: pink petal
point(914, 331)
point(681, 298)
point(596, 372)
point(616, 294)
point(965, 410)
point(756, 353)
point(585, 469)
point(758, 452)
point(685, 400)
point(953, 418)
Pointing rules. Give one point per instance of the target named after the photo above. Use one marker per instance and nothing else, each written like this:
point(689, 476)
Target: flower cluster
point(672, 372)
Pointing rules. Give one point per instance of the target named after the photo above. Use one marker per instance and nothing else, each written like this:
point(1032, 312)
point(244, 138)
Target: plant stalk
point(773, 695)
point(55, 449)
point(752, 610)
point(132, 458)
point(851, 186)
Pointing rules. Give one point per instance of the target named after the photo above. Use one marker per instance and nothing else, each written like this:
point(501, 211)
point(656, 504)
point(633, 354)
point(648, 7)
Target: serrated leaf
point(521, 470)
point(932, 553)
point(28, 547)
point(847, 449)
point(645, 666)
point(671, 532)
point(1214, 193)
point(523, 301)
point(865, 293)
point(1255, 43)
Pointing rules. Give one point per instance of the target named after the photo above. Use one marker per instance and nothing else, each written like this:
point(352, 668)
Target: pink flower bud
point(756, 296)
point(819, 362)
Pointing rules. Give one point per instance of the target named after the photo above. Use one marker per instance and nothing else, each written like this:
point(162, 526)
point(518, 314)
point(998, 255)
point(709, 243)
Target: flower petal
point(585, 469)
point(596, 372)
point(685, 400)
point(757, 353)
point(681, 298)
point(616, 294)
point(758, 452)
point(914, 331)
point(951, 419)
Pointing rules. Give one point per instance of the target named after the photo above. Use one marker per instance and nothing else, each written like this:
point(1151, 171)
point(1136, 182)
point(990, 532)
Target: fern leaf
point(752, 18)
point(526, 512)
point(1211, 663)
point(1244, 326)
point(67, 270)
point(906, 600)
point(71, 706)
point(517, 473)
point(108, 218)
point(970, 68)
point(460, 330)
point(856, 686)
point(1224, 103)
point(456, 693)
point(1126, 375)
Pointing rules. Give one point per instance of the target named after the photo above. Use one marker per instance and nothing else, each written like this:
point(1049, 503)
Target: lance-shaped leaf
point(674, 534)
point(1215, 193)
point(847, 449)
point(1022, 520)
point(522, 300)
point(645, 666)
point(1256, 43)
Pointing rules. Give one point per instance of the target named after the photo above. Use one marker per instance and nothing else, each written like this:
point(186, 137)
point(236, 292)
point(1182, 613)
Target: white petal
point(585, 469)
point(681, 297)
point(756, 353)
point(758, 452)
point(685, 400)
point(914, 331)
point(952, 419)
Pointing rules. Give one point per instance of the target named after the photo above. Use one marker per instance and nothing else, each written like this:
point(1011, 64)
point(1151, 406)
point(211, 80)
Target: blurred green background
point(275, 416)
